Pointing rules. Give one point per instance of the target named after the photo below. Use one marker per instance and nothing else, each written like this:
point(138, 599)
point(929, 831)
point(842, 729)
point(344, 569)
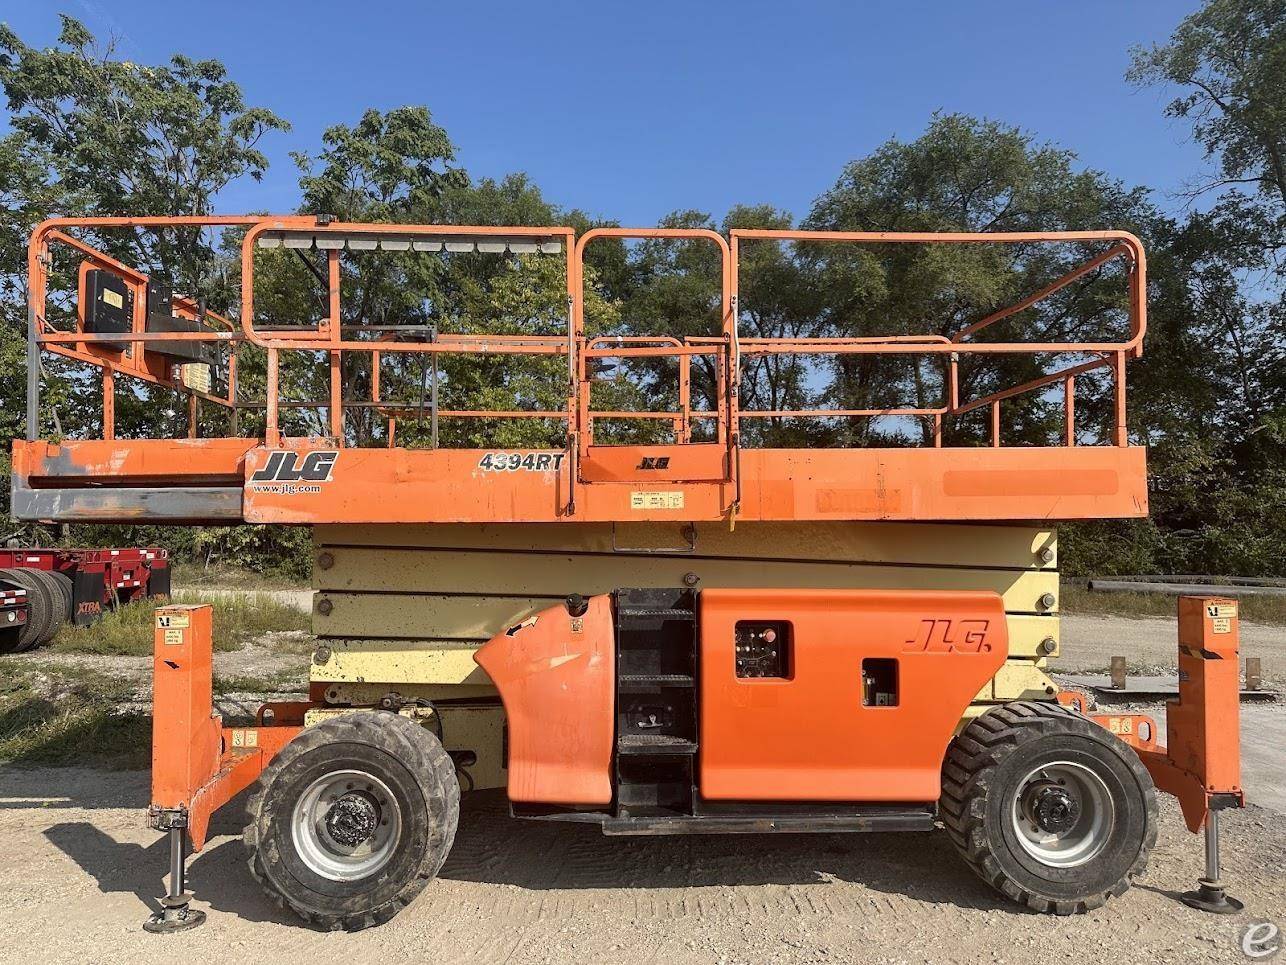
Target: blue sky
point(632, 110)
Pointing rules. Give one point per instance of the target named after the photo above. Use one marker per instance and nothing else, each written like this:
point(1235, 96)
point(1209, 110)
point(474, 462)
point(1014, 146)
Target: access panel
point(838, 695)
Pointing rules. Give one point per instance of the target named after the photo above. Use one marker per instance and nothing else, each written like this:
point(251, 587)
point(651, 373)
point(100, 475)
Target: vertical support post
point(185, 744)
point(937, 431)
point(336, 398)
point(109, 402)
point(272, 432)
point(33, 372)
point(234, 419)
point(685, 398)
point(1254, 673)
point(193, 415)
point(1201, 764)
point(1119, 434)
point(1069, 409)
point(995, 424)
point(1118, 673)
point(433, 392)
point(336, 357)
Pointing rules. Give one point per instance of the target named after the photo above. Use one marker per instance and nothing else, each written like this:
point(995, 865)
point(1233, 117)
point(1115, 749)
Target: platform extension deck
point(124, 324)
point(239, 480)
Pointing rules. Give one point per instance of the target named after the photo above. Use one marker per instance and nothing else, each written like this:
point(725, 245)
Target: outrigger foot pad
point(175, 915)
point(1210, 896)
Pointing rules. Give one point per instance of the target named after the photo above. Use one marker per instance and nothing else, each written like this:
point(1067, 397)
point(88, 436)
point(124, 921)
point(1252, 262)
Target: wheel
point(66, 591)
point(1048, 807)
point(40, 608)
point(59, 602)
point(353, 818)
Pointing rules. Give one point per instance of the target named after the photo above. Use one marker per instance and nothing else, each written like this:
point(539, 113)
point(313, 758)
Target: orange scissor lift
point(657, 710)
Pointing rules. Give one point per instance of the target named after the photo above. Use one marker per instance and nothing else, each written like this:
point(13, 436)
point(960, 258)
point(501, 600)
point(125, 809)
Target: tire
point(59, 602)
point(394, 779)
point(40, 608)
point(65, 589)
point(1007, 782)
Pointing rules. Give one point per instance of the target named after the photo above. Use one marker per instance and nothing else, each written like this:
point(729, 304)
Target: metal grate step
point(654, 744)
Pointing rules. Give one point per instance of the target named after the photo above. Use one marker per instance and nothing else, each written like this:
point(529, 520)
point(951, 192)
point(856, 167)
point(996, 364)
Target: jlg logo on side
point(939, 636)
point(285, 466)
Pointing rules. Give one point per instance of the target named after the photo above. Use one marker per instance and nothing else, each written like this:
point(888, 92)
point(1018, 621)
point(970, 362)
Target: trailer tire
point(1048, 807)
point(40, 609)
point(371, 773)
point(58, 606)
point(65, 591)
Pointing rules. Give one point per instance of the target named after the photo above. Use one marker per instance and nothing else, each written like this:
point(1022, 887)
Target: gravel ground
point(82, 873)
point(1090, 640)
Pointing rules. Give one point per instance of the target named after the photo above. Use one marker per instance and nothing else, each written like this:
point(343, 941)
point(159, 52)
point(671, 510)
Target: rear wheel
point(353, 819)
point(1048, 807)
point(65, 591)
point(59, 597)
point(40, 610)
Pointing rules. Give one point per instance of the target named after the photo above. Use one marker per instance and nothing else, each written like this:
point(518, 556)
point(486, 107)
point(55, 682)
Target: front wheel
point(1048, 807)
point(353, 819)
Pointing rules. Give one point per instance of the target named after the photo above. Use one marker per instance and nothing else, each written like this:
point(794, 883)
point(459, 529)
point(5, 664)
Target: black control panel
point(763, 649)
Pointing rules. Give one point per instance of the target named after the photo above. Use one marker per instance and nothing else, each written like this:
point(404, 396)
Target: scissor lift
point(940, 557)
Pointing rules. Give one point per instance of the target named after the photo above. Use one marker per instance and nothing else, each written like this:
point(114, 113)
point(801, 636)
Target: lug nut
point(324, 607)
point(691, 579)
point(1047, 646)
point(1046, 601)
point(325, 561)
point(321, 655)
point(1046, 554)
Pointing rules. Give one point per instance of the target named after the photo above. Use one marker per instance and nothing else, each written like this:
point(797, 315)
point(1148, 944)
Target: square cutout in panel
point(879, 682)
point(763, 650)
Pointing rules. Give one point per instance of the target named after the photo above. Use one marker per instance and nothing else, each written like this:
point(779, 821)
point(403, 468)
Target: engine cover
point(838, 695)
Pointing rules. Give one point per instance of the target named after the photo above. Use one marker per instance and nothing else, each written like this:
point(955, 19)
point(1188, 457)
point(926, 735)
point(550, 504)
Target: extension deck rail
point(704, 471)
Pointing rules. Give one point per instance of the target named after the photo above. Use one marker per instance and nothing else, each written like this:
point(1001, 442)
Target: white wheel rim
point(346, 825)
point(1085, 836)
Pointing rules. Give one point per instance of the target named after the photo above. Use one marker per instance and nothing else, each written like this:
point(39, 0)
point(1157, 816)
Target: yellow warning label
point(115, 299)
point(174, 636)
point(165, 620)
point(1216, 610)
point(656, 500)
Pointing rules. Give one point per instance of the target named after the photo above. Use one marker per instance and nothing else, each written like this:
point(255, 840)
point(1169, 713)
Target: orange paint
point(197, 764)
point(557, 678)
point(1202, 756)
point(810, 737)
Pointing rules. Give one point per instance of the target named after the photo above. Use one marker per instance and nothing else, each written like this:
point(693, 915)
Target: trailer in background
point(78, 586)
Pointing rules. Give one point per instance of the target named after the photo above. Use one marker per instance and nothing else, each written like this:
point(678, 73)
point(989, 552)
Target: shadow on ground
point(492, 848)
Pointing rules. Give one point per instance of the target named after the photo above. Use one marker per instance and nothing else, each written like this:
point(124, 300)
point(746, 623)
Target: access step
point(654, 745)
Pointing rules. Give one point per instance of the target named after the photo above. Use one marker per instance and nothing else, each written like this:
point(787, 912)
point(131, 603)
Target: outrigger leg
point(175, 915)
point(1210, 894)
point(1201, 763)
point(198, 765)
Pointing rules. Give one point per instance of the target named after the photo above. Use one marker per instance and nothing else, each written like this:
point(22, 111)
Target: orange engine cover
point(807, 735)
point(557, 678)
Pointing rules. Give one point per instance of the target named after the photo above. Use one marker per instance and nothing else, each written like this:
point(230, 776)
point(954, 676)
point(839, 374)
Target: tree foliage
point(90, 133)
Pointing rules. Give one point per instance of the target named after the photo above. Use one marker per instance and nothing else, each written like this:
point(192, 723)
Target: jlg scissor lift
point(693, 636)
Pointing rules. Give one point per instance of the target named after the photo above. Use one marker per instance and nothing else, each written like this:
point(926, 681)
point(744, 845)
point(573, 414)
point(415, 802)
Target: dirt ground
point(82, 871)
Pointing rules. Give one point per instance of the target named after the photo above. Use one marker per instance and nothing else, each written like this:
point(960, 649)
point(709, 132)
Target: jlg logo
point(285, 466)
point(936, 636)
point(655, 462)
